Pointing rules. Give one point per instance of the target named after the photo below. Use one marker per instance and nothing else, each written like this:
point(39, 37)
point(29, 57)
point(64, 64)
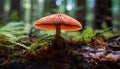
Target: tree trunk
point(15, 10)
point(116, 15)
point(102, 13)
point(80, 14)
point(49, 7)
point(1, 11)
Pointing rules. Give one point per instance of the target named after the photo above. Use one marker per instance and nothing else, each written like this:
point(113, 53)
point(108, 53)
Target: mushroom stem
point(58, 32)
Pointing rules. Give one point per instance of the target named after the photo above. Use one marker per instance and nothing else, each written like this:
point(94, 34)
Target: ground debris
point(99, 53)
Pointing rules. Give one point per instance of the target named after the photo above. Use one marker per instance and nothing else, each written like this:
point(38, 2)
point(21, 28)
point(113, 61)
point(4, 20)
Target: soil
point(99, 53)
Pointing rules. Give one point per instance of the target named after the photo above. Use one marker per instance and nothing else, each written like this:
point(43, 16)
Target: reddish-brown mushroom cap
point(50, 22)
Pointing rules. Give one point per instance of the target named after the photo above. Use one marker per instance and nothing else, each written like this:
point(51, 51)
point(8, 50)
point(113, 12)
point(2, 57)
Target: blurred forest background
point(91, 13)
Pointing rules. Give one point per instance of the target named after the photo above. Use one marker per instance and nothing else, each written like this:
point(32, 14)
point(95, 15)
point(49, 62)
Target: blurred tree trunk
point(71, 8)
point(102, 13)
point(40, 9)
point(81, 10)
point(15, 10)
point(32, 9)
point(116, 15)
point(27, 11)
point(27, 14)
point(1, 11)
point(1, 6)
point(21, 11)
point(62, 7)
point(37, 7)
point(49, 7)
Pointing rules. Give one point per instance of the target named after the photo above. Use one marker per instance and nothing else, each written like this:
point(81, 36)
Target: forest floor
point(99, 53)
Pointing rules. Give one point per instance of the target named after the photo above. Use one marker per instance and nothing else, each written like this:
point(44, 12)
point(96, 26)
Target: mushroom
point(58, 22)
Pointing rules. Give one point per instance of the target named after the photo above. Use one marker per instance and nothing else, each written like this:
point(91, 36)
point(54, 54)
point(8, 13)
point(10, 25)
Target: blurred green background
point(95, 14)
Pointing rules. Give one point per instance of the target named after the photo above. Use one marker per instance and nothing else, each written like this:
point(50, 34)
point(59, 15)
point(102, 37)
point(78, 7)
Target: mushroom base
point(59, 42)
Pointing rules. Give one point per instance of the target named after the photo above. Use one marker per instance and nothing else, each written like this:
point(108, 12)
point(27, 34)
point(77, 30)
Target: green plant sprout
point(85, 36)
point(105, 31)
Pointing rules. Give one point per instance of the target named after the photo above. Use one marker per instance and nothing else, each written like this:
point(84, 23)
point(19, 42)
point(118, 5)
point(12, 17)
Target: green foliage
point(107, 34)
point(105, 31)
point(75, 35)
point(14, 16)
point(85, 36)
point(104, 25)
point(14, 31)
point(10, 33)
point(45, 40)
point(5, 43)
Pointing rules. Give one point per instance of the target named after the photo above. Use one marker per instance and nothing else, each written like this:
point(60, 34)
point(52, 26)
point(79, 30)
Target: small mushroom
point(58, 22)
